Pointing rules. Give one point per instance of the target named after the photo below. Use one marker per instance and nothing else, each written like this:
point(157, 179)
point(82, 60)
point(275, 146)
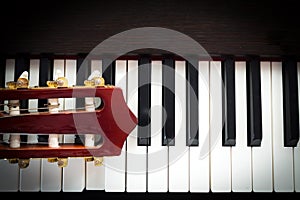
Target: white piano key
point(297, 149)
point(179, 154)
point(9, 176)
point(74, 175)
point(241, 153)
point(95, 175)
point(34, 70)
point(70, 103)
point(50, 176)
point(262, 170)
point(199, 155)
point(157, 154)
point(136, 155)
point(9, 172)
point(283, 156)
point(220, 157)
point(51, 173)
point(115, 167)
point(96, 65)
point(30, 176)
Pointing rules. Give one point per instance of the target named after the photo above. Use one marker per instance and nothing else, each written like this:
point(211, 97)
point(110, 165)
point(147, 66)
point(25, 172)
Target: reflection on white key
point(241, 153)
point(9, 176)
point(95, 175)
point(74, 173)
point(179, 154)
point(115, 167)
point(220, 165)
point(30, 176)
point(157, 154)
point(262, 172)
point(136, 155)
point(199, 155)
point(50, 176)
point(297, 149)
point(283, 156)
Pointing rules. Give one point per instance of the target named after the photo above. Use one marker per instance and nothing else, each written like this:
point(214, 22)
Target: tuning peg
point(98, 161)
point(23, 81)
point(23, 163)
point(11, 85)
point(62, 162)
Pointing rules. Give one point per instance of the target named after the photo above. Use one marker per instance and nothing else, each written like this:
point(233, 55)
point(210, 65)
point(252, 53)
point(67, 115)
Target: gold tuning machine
point(11, 85)
point(23, 163)
point(96, 81)
point(60, 82)
point(98, 161)
point(21, 83)
point(61, 162)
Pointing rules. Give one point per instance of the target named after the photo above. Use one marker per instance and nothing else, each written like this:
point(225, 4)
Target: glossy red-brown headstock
point(114, 121)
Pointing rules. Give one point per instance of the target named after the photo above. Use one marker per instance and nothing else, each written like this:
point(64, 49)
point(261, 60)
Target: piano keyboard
point(192, 135)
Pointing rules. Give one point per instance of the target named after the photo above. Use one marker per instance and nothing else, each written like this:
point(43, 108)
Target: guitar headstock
point(102, 124)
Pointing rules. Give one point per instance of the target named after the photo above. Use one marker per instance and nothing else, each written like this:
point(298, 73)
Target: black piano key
point(192, 119)
point(144, 99)
point(45, 74)
point(290, 103)
point(22, 63)
point(83, 71)
point(228, 109)
point(168, 102)
point(108, 71)
point(254, 118)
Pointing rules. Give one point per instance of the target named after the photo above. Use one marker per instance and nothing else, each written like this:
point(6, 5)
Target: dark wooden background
point(236, 27)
